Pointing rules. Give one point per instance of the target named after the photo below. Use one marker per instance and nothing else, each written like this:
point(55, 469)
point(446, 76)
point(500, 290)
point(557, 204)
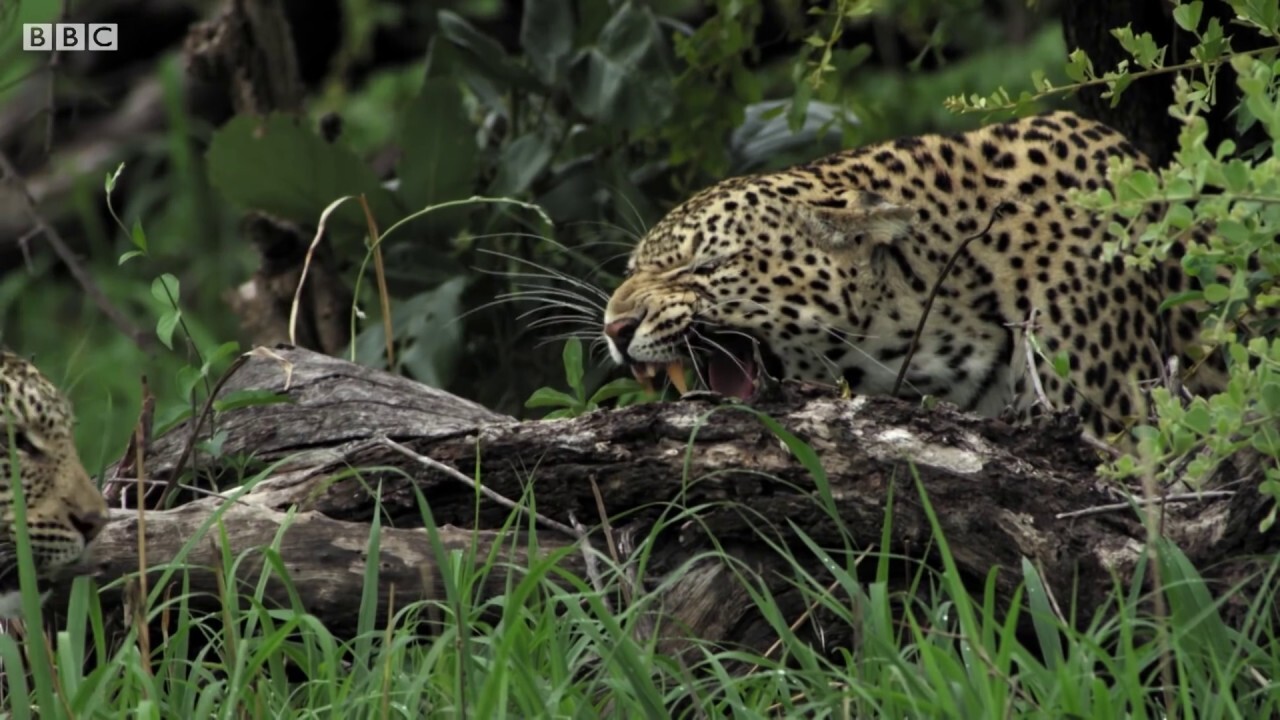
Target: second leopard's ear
point(859, 222)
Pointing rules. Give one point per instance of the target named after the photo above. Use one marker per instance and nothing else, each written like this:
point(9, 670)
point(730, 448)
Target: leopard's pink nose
point(621, 331)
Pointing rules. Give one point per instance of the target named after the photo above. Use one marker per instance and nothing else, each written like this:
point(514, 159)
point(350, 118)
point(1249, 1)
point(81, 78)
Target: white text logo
point(48, 37)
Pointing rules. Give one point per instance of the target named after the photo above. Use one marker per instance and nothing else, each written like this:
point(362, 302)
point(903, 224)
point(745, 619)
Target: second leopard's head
point(65, 511)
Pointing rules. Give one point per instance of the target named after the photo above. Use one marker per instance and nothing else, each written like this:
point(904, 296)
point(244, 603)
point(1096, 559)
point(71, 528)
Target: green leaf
point(188, 378)
point(439, 153)
point(282, 167)
point(1062, 364)
point(1188, 15)
point(218, 354)
point(624, 79)
point(1079, 67)
point(573, 371)
point(138, 236)
point(485, 53)
point(432, 331)
point(550, 397)
point(1217, 293)
point(1235, 175)
point(113, 178)
point(1180, 298)
point(165, 327)
point(546, 36)
point(1270, 396)
point(165, 289)
point(521, 163)
point(1198, 418)
point(615, 389)
point(129, 256)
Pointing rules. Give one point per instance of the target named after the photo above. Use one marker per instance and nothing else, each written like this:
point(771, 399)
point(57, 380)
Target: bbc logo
point(48, 37)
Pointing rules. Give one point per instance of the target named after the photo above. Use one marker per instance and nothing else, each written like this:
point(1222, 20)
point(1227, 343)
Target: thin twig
point(171, 482)
point(1173, 377)
point(1141, 502)
point(1029, 347)
point(487, 492)
point(591, 560)
point(1100, 445)
point(64, 253)
point(928, 305)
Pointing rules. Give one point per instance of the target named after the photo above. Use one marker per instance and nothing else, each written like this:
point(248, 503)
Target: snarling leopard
point(822, 273)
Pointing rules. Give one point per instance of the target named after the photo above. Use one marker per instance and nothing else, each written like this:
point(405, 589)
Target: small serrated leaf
point(1187, 15)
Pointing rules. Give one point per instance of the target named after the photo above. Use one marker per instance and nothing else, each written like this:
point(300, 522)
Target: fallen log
point(348, 443)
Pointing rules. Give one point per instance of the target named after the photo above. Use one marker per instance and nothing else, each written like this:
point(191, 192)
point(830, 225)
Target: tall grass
point(556, 645)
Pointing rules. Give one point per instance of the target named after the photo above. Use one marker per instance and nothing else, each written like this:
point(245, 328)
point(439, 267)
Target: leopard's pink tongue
point(731, 376)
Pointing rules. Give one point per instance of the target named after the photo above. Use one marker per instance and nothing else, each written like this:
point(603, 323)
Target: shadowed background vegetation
point(603, 113)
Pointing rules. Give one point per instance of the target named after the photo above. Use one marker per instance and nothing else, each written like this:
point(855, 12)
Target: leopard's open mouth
point(729, 364)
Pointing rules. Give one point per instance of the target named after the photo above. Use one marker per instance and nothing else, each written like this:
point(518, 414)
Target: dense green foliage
point(604, 123)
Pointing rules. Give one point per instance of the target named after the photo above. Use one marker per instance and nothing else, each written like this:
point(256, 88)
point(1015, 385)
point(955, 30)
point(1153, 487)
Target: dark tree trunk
point(1143, 111)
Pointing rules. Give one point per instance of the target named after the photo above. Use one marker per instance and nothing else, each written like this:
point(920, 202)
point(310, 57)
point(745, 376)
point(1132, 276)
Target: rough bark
point(692, 469)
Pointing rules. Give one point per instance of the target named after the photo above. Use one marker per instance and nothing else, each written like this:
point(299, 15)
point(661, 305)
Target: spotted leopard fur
point(64, 508)
point(826, 267)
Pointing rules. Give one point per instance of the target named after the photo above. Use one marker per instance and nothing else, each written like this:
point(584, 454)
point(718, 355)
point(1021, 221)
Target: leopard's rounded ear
point(860, 221)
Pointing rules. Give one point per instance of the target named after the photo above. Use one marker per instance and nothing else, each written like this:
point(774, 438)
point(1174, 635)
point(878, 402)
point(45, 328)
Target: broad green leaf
point(427, 331)
point(432, 332)
point(573, 366)
point(439, 150)
point(1270, 396)
point(282, 167)
point(1217, 293)
point(1187, 15)
point(520, 164)
point(624, 79)
point(615, 389)
point(188, 376)
point(550, 397)
point(546, 35)
point(166, 325)
point(1198, 419)
point(485, 53)
point(165, 289)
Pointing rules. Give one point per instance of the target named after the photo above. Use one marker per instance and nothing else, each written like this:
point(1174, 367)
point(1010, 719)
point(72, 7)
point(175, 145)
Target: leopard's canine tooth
point(675, 373)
